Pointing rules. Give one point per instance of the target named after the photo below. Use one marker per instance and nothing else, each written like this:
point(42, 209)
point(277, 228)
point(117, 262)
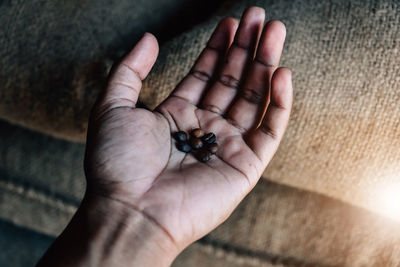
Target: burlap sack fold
point(278, 225)
point(343, 138)
point(42, 183)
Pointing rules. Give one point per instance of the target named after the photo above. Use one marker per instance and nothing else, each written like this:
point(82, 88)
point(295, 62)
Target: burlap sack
point(55, 55)
point(278, 225)
point(42, 183)
point(343, 139)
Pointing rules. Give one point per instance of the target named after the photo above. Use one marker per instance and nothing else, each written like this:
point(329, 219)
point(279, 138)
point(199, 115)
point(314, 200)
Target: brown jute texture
point(278, 225)
point(42, 183)
point(55, 55)
point(343, 139)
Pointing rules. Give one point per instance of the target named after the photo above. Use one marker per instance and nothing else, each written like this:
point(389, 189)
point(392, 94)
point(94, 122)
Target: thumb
point(125, 80)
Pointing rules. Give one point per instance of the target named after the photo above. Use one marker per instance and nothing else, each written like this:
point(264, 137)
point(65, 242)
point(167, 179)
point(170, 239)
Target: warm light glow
point(388, 202)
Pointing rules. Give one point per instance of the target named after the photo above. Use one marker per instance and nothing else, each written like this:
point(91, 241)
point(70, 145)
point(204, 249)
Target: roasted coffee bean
point(184, 147)
point(181, 136)
point(209, 138)
point(213, 148)
point(203, 155)
point(198, 133)
point(196, 143)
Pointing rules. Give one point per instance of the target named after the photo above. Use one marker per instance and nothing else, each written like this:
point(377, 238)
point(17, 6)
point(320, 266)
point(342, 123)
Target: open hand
point(235, 89)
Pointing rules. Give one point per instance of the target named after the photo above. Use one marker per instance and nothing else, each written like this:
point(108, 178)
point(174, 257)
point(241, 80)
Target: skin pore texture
point(145, 200)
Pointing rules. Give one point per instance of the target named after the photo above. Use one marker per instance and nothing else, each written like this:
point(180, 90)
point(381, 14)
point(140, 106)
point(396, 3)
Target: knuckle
point(213, 109)
point(237, 125)
point(113, 85)
point(132, 71)
point(270, 132)
point(253, 96)
point(264, 63)
point(241, 45)
point(125, 74)
point(229, 81)
point(201, 75)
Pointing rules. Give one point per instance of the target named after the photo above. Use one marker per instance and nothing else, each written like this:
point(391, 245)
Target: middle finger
point(241, 52)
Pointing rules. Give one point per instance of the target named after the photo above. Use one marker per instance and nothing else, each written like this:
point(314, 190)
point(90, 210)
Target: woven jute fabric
point(343, 139)
point(55, 55)
point(42, 183)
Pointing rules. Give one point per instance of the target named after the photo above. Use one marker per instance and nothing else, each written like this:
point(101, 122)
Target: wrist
point(126, 236)
point(106, 232)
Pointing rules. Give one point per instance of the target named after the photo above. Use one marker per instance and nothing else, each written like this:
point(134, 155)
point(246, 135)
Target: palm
point(133, 158)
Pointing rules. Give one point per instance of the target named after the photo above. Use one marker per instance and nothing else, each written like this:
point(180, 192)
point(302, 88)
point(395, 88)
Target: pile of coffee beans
point(200, 143)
